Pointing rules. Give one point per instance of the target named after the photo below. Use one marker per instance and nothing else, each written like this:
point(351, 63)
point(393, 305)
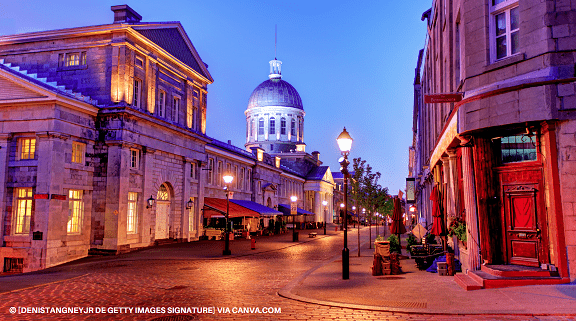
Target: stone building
point(103, 143)
point(500, 147)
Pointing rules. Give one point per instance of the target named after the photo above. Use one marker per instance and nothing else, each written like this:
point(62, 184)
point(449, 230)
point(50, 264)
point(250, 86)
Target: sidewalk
point(421, 292)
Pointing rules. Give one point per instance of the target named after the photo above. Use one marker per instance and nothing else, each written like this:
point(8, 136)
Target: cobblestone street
point(164, 278)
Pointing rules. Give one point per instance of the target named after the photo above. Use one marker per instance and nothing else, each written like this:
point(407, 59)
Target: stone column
point(4, 139)
point(201, 186)
point(470, 205)
point(185, 197)
point(147, 225)
point(318, 206)
point(118, 177)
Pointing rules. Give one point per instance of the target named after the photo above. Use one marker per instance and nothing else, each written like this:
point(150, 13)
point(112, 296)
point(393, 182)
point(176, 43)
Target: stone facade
point(103, 144)
point(513, 60)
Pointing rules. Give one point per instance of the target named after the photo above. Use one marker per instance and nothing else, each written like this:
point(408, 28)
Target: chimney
point(125, 14)
point(229, 142)
point(316, 155)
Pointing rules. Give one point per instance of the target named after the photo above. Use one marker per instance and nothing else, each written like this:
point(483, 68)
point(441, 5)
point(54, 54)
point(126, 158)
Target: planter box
point(382, 248)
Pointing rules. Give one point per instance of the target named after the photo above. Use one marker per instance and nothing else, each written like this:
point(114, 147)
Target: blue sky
point(352, 63)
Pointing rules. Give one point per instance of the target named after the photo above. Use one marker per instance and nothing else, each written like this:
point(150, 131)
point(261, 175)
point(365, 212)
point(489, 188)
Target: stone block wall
point(567, 167)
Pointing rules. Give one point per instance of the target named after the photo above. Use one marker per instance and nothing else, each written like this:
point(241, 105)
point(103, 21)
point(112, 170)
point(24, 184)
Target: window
point(176, 108)
point(134, 158)
point(252, 127)
point(137, 93)
point(241, 178)
point(505, 26)
point(23, 210)
point(518, 148)
point(261, 126)
point(293, 128)
point(249, 179)
point(27, 148)
point(83, 58)
point(300, 129)
point(72, 59)
point(193, 170)
point(75, 210)
point(78, 152)
point(219, 173)
point(283, 126)
point(236, 185)
point(211, 171)
point(162, 103)
point(272, 129)
point(132, 215)
point(139, 62)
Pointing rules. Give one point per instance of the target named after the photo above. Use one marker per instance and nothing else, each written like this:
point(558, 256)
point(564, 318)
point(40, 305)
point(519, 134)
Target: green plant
point(411, 240)
point(458, 228)
point(430, 239)
point(394, 244)
point(380, 238)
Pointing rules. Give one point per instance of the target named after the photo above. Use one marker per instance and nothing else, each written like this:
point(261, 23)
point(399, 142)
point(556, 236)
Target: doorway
point(162, 212)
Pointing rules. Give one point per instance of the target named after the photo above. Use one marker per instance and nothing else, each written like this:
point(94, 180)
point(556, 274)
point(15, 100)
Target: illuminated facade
point(503, 156)
point(97, 121)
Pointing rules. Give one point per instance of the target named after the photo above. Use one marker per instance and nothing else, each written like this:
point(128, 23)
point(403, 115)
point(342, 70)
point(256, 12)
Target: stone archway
point(163, 200)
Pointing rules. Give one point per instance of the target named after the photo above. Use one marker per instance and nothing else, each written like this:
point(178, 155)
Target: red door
point(523, 232)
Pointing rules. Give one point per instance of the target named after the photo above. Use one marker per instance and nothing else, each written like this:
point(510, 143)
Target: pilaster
point(473, 240)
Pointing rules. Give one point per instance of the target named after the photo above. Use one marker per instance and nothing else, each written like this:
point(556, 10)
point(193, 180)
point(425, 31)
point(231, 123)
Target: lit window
point(162, 103)
point(72, 59)
point(78, 152)
point(272, 129)
point(176, 109)
point(23, 210)
point(83, 58)
point(283, 126)
point(27, 147)
point(137, 92)
point(505, 27)
point(75, 210)
point(134, 158)
point(132, 215)
point(518, 148)
point(219, 173)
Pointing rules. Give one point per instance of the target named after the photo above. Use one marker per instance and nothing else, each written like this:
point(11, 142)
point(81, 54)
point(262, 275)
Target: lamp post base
point(345, 264)
point(226, 252)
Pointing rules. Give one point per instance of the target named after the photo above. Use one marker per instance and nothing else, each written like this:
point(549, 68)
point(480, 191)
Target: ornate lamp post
point(324, 203)
point(227, 180)
point(345, 144)
point(293, 212)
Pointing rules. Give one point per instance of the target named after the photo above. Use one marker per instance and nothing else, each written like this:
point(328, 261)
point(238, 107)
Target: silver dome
point(275, 92)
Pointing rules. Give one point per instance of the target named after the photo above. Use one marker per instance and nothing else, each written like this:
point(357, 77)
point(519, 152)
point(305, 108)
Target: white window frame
point(75, 211)
point(26, 148)
point(22, 213)
point(503, 7)
point(175, 108)
point(272, 126)
point(137, 101)
point(161, 103)
point(132, 214)
point(134, 158)
point(78, 151)
point(72, 59)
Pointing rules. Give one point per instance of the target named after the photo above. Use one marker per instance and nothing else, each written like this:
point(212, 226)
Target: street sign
point(443, 98)
point(293, 208)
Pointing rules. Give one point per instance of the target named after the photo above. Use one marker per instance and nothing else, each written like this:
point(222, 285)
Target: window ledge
point(69, 68)
point(23, 162)
point(505, 62)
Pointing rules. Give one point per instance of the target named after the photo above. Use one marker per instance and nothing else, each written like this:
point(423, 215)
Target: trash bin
point(295, 237)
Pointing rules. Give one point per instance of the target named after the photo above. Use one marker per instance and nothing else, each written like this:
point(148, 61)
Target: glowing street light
point(345, 144)
point(227, 180)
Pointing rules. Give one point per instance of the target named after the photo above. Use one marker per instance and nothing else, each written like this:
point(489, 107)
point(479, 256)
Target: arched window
point(283, 126)
point(261, 126)
point(272, 127)
point(300, 128)
point(163, 194)
point(293, 127)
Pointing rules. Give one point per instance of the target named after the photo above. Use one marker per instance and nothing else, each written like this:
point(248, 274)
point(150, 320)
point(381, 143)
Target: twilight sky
point(352, 63)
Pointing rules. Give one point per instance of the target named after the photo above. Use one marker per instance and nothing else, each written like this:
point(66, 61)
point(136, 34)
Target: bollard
point(336, 229)
point(253, 244)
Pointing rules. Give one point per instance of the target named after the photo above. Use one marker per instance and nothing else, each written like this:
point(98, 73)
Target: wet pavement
point(193, 281)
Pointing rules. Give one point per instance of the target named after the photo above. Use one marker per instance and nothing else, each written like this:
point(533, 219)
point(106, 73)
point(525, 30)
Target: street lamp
point(345, 144)
point(324, 203)
point(150, 202)
point(354, 223)
point(341, 216)
point(293, 212)
point(227, 180)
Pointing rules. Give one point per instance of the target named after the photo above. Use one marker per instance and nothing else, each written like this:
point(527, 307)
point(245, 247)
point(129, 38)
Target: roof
point(317, 173)
point(173, 41)
point(339, 175)
point(261, 209)
point(275, 92)
point(232, 148)
point(284, 208)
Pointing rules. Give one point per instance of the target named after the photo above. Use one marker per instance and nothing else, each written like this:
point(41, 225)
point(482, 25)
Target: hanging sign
point(443, 98)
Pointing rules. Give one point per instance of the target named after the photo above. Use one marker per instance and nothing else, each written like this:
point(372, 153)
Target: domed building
point(275, 115)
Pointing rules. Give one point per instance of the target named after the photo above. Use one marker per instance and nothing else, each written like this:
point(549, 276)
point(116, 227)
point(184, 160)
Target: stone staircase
point(44, 81)
point(499, 276)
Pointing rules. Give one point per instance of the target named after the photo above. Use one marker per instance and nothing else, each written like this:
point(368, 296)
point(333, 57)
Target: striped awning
point(217, 206)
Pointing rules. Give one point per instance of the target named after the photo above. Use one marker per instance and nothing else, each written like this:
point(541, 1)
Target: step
point(466, 282)
point(490, 281)
point(516, 271)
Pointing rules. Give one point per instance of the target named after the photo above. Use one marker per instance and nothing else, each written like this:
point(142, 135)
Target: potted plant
point(458, 228)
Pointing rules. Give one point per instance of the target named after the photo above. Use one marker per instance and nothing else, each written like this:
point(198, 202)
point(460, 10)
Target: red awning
point(217, 207)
